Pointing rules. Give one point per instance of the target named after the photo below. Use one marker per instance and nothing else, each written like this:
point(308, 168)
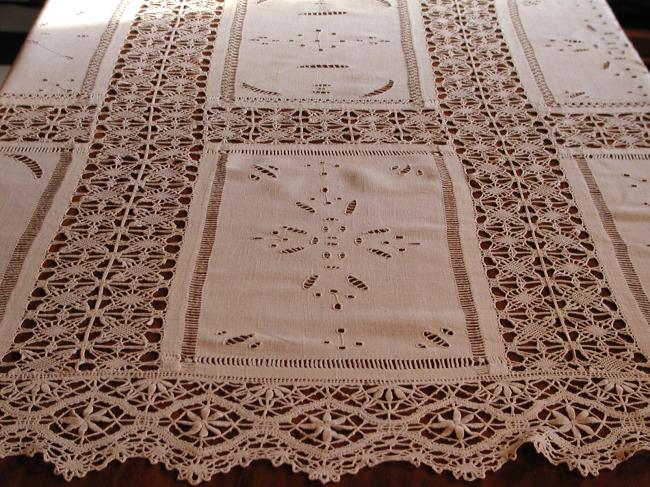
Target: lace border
point(201, 427)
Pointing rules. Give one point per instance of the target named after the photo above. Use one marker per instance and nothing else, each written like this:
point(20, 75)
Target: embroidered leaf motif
point(295, 230)
point(323, 66)
point(305, 207)
point(329, 12)
point(310, 281)
point(266, 171)
point(381, 253)
point(31, 164)
point(292, 250)
point(377, 230)
point(381, 90)
point(358, 283)
point(238, 339)
point(260, 90)
point(436, 339)
point(351, 207)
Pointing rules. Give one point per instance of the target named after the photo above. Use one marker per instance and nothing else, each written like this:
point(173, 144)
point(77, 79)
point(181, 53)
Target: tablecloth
point(325, 233)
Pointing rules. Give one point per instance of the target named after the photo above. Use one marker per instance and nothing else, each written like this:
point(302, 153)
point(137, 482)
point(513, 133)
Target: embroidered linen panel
point(327, 234)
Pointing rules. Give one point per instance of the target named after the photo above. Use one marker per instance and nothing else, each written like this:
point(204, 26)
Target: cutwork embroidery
point(609, 52)
point(328, 54)
point(335, 240)
point(28, 162)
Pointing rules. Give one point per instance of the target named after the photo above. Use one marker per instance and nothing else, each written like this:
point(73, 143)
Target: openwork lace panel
point(325, 234)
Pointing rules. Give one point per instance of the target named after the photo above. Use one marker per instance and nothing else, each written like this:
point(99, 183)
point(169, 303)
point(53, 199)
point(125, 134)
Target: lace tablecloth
point(327, 234)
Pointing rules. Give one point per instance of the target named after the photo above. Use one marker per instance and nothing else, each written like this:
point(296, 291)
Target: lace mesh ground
point(556, 310)
point(101, 295)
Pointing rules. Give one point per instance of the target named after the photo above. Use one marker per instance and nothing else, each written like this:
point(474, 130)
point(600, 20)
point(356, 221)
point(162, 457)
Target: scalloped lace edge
point(465, 434)
point(188, 472)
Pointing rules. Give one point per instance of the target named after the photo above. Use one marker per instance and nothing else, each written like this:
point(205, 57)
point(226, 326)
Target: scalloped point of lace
point(326, 430)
